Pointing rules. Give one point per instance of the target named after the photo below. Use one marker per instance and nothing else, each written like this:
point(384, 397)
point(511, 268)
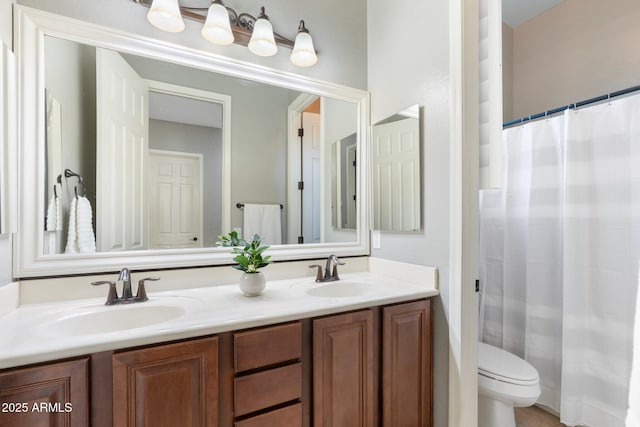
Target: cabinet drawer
point(290, 416)
point(265, 389)
point(267, 346)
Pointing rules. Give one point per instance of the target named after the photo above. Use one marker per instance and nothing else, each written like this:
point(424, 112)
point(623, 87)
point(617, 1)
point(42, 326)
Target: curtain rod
point(574, 105)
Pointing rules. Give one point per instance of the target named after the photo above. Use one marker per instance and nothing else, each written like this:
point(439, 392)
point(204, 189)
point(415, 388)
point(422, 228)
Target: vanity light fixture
point(303, 54)
point(165, 15)
point(262, 41)
point(217, 27)
point(224, 26)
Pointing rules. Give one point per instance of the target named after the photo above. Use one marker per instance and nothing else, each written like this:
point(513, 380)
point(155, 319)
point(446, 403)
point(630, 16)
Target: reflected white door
point(122, 143)
point(175, 200)
point(396, 176)
point(311, 177)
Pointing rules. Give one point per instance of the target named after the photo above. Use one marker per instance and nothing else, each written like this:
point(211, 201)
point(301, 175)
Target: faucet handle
point(112, 296)
point(141, 294)
point(318, 272)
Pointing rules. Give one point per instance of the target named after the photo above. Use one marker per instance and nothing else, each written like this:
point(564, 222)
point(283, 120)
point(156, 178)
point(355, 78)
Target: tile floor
point(536, 417)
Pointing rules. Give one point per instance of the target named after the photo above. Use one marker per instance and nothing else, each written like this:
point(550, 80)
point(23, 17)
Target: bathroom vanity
point(319, 358)
point(353, 352)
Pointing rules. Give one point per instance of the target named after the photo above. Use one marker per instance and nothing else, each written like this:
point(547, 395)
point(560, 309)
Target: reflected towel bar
point(241, 205)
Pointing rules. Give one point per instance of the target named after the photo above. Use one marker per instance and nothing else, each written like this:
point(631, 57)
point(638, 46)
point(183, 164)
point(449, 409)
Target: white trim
point(218, 98)
point(31, 26)
point(495, 93)
point(464, 171)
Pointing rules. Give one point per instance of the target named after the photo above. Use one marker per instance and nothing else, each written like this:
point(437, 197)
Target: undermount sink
point(102, 319)
point(340, 289)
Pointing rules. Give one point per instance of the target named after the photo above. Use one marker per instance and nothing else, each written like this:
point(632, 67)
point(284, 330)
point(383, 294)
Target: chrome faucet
point(125, 278)
point(330, 270)
point(127, 296)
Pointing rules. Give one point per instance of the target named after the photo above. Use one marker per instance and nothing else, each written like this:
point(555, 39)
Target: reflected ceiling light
point(165, 15)
point(217, 27)
point(304, 54)
point(262, 41)
point(223, 26)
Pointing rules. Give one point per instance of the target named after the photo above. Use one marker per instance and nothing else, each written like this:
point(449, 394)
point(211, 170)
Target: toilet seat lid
point(496, 363)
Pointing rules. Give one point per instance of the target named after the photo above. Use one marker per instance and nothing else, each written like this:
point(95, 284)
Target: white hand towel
point(84, 224)
point(54, 214)
point(58, 215)
point(633, 414)
point(263, 220)
point(51, 214)
point(72, 237)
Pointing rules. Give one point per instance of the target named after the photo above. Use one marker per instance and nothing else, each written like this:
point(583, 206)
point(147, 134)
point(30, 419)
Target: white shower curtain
point(559, 256)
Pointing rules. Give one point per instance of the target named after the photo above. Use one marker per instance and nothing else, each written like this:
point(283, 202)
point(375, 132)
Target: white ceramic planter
point(252, 284)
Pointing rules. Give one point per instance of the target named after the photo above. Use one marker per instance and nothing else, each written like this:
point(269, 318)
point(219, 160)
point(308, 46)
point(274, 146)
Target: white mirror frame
point(31, 26)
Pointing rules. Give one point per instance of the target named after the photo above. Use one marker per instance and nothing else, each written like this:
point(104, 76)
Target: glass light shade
point(262, 42)
point(217, 27)
point(165, 15)
point(304, 54)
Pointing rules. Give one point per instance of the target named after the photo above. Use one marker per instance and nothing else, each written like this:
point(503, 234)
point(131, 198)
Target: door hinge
point(301, 132)
point(300, 185)
point(477, 285)
point(300, 239)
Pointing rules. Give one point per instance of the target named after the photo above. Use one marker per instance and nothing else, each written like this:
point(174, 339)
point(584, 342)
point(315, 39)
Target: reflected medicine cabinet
point(396, 172)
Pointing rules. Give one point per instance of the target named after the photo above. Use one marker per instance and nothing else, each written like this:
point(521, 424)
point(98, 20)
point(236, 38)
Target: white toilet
point(505, 381)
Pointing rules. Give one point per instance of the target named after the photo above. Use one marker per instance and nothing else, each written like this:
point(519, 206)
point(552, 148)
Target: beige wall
point(507, 73)
point(575, 51)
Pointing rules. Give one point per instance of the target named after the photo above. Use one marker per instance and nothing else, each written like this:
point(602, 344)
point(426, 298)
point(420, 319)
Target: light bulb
point(262, 42)
point(303, 54)
point(165, 15)
point(217, 28)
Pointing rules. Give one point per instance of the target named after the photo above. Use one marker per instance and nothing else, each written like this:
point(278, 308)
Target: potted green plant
point(249, 258)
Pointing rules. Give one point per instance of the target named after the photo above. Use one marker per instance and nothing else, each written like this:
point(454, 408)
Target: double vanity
point(355, 351)
point(350, 352)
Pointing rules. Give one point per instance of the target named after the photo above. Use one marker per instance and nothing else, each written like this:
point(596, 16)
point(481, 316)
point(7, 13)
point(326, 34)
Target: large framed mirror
point(167, 148)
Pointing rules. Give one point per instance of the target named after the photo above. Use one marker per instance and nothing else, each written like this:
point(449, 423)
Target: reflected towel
point(633, 414)
point(80, 238)
point(84, 224)
point(54, 215)
point(72, 238)
point(263, 220)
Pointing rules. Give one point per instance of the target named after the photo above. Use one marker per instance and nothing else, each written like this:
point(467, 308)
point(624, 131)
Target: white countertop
point(30, 333)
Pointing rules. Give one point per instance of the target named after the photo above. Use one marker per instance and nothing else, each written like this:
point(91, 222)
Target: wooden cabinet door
point(168, 385)
point(343, 370)
point(49, 395)
point(406, 364)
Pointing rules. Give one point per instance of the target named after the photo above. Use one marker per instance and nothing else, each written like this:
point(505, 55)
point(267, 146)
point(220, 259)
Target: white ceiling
point(515, 12)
